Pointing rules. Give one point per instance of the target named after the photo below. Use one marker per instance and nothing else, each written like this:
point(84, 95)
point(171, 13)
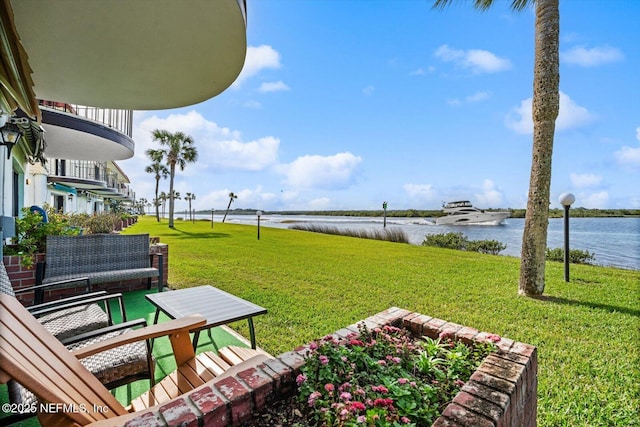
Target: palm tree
point(231, 198)
point(546, 104)
point(162, 199)
point(177, 150)
point(159, 170)
point(189, 197)
point(140, 204)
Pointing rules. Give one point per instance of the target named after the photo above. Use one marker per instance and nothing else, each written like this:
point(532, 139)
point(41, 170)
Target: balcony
point(86, 133)
point(90, 177)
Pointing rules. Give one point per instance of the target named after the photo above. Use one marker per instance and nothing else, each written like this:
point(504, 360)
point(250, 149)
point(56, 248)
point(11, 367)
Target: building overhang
point(72, 137)
point(139, 55)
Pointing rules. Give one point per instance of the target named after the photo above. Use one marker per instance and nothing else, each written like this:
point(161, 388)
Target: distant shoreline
point(416, 213)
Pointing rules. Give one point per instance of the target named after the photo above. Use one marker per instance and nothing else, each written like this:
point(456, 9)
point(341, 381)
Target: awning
point(64, 188)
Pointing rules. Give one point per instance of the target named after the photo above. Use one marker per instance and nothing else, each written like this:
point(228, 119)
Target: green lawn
point(586, 331)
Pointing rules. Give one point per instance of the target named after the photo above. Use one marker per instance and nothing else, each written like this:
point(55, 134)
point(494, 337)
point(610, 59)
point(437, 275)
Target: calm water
point(614, 241)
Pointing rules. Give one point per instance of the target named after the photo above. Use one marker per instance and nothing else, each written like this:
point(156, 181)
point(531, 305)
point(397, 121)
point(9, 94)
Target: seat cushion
point(113, 367)
point(74, 321)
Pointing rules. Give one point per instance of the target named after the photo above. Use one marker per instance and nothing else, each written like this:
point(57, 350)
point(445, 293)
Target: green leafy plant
point(384, 377)
point(32, 232)
point(460, 242)
point(576, 256)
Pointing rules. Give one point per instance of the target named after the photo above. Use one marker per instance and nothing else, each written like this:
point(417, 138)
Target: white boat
point(463, 213)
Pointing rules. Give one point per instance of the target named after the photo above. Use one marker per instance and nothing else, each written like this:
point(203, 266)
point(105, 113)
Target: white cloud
point(322, 172)
point(597, 200)
point(218, 147)
point(476, 60)
point(570, 115)
point(257, 59)
point(585, 180)
point(368, 91)
point(234, 154)
point(471, 99)
point(273, 87)
point(628, 157)
point(422, 192)
point(638, 133)
point(252, 104)
point(490, 195)
point(584, 57)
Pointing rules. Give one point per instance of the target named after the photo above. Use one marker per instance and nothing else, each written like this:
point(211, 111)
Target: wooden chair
point(41, 363)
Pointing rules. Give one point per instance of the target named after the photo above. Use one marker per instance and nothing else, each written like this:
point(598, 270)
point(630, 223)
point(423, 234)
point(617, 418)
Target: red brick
point(239, 398)
point(148, 419)
point(481, 406)
point(466, 334)
point(415, 324)
point(478, 389)
point(431, 328)
point(213, 407)
point(499, 384)
point(445, 422)
point(260, 383)
point(178, 413)
point(466, 417)
point(292, 359)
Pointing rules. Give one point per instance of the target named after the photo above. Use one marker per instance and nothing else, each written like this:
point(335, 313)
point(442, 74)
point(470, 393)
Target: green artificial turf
point(586, 331)
point(137, 307)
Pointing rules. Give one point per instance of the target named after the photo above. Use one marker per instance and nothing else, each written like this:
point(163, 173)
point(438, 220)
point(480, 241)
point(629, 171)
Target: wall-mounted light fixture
point(11, 133)
point(70, 196)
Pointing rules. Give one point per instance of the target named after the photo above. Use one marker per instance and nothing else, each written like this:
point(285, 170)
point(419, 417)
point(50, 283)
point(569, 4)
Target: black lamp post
point(259, 213)
point(566, 199)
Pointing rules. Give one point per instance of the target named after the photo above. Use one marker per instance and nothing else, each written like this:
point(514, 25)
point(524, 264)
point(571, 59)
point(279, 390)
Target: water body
point(614, 241)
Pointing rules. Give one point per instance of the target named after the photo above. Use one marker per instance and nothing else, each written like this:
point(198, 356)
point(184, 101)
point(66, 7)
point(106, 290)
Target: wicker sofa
point(101, 258)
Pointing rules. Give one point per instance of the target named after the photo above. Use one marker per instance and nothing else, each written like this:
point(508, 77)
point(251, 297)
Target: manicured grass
point(586, 331)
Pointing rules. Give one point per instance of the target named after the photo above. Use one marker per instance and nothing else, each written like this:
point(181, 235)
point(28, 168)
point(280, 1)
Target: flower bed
point(501, 392)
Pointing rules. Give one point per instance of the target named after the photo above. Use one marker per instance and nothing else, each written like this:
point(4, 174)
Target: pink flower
point(382, 362)
point(323, 359)
point(357, 406)
point(362, 419)
point(356, 343)
point(402, 380)
point(313, 346)
point(494, 338)
point(380, 389)
point(300, 379)
point(405, 420)
point(329, 387)
point(345, 395)
point(313, 397)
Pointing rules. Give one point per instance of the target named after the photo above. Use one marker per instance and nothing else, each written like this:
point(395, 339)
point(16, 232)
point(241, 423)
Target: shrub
point(576, 256)
point(384, 377)
point(447, 240)
point(491, 247)
point(460, 242)
point(32, 232)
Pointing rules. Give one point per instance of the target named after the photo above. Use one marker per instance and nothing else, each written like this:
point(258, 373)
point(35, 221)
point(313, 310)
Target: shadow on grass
point(606, 307)
point(200, 235)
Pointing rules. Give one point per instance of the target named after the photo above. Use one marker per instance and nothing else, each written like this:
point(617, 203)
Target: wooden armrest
point(173, 328)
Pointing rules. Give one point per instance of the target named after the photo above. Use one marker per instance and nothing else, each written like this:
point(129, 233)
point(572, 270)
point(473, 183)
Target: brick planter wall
point(22, 277)
point(501, 393)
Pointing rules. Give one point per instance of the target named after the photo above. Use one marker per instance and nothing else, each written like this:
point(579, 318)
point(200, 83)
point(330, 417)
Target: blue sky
point(344, 104)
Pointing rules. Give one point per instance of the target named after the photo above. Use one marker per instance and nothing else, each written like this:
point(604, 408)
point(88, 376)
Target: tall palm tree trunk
point(172, 173)
point(157, 201)
point(546, 104)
